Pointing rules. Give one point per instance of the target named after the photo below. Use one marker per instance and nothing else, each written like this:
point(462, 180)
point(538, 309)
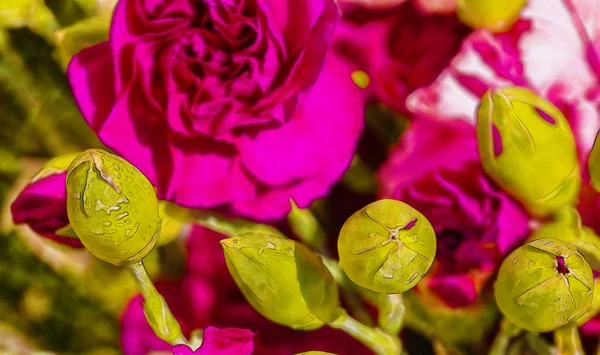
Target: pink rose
point(401, 49)
point(436, 169)
point(220, 342)
point(224, 103)
point(208, 296)
point(42, 205)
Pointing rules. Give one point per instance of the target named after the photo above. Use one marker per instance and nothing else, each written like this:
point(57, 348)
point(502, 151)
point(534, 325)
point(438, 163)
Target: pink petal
point(322, 133)
point(226, 342)
point(43, 206)
point(455, 290)
point(91, 75)
point(416, 153)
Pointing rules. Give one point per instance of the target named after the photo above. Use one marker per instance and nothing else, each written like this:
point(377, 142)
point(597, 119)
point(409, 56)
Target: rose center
point(560, 265)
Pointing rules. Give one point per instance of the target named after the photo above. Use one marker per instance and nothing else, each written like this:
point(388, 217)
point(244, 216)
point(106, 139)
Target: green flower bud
point(493, 15)
point(386, 247)
point(573, 232)
point(594, 164)
point(544, 285)
point(112, 207)
point(538, 162)
point(282, 280)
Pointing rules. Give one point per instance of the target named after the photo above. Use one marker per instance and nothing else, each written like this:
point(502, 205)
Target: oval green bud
point(544, 285)
point(112, 207)
point(386, 247)
point(493, 15)
point(282, 280)
point(594, 164)
point(538, 162)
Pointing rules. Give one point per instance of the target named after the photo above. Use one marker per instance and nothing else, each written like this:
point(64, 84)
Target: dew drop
point(260, 251)
point(127, 221)
point(386, 275)
point(270, 245)
point(515, 261)
point(411, 257)
point(531, 263)
point(97, 231)
point(106, 224)
point(122, 215)
point(235, 240)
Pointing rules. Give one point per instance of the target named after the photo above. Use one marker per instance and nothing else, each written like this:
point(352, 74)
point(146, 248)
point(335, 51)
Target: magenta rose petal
point(294, 151)
point(455, 290)
point(91, 75)
point(43, 206)
point(226, 341)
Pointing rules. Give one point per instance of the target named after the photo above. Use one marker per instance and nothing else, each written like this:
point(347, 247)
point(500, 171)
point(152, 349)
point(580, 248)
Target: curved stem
point(567, 340)
point(156, 310)
point(374, 338)
point(507, 331)
point(391, 313)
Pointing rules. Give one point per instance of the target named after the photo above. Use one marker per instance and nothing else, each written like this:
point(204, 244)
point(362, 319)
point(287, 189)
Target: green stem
point(507, 331)
point(567, 340)
point(156, 310)
point(391, 313)
point(374, 338)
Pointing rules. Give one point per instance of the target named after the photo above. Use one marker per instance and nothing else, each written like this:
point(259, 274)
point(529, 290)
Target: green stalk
point(567, 340)
point(506, 333)
point(374, 338)
point(156, 310)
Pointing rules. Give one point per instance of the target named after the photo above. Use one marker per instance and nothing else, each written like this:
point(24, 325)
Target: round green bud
point(386, 247)
point(493, 15)
point(544, 285)
point(594, 164)
point(112, 207)
point(282, 280)
point(535, 159)
point(573, 232)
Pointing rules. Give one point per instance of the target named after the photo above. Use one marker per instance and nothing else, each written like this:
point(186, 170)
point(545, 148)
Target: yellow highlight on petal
point(360, 78)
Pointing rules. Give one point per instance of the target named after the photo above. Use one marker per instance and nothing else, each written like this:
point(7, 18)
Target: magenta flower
point(224, 103)
point(42, 205)
point(436, 169)
point(208, 297)
point(221, 342)
point(401, 49)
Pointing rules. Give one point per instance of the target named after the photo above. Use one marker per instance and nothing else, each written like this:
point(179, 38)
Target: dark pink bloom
point(221, 342)
point(436, 169)
point(42, 205)
point(208, 297)
point(400, 48)
point(223, 102)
